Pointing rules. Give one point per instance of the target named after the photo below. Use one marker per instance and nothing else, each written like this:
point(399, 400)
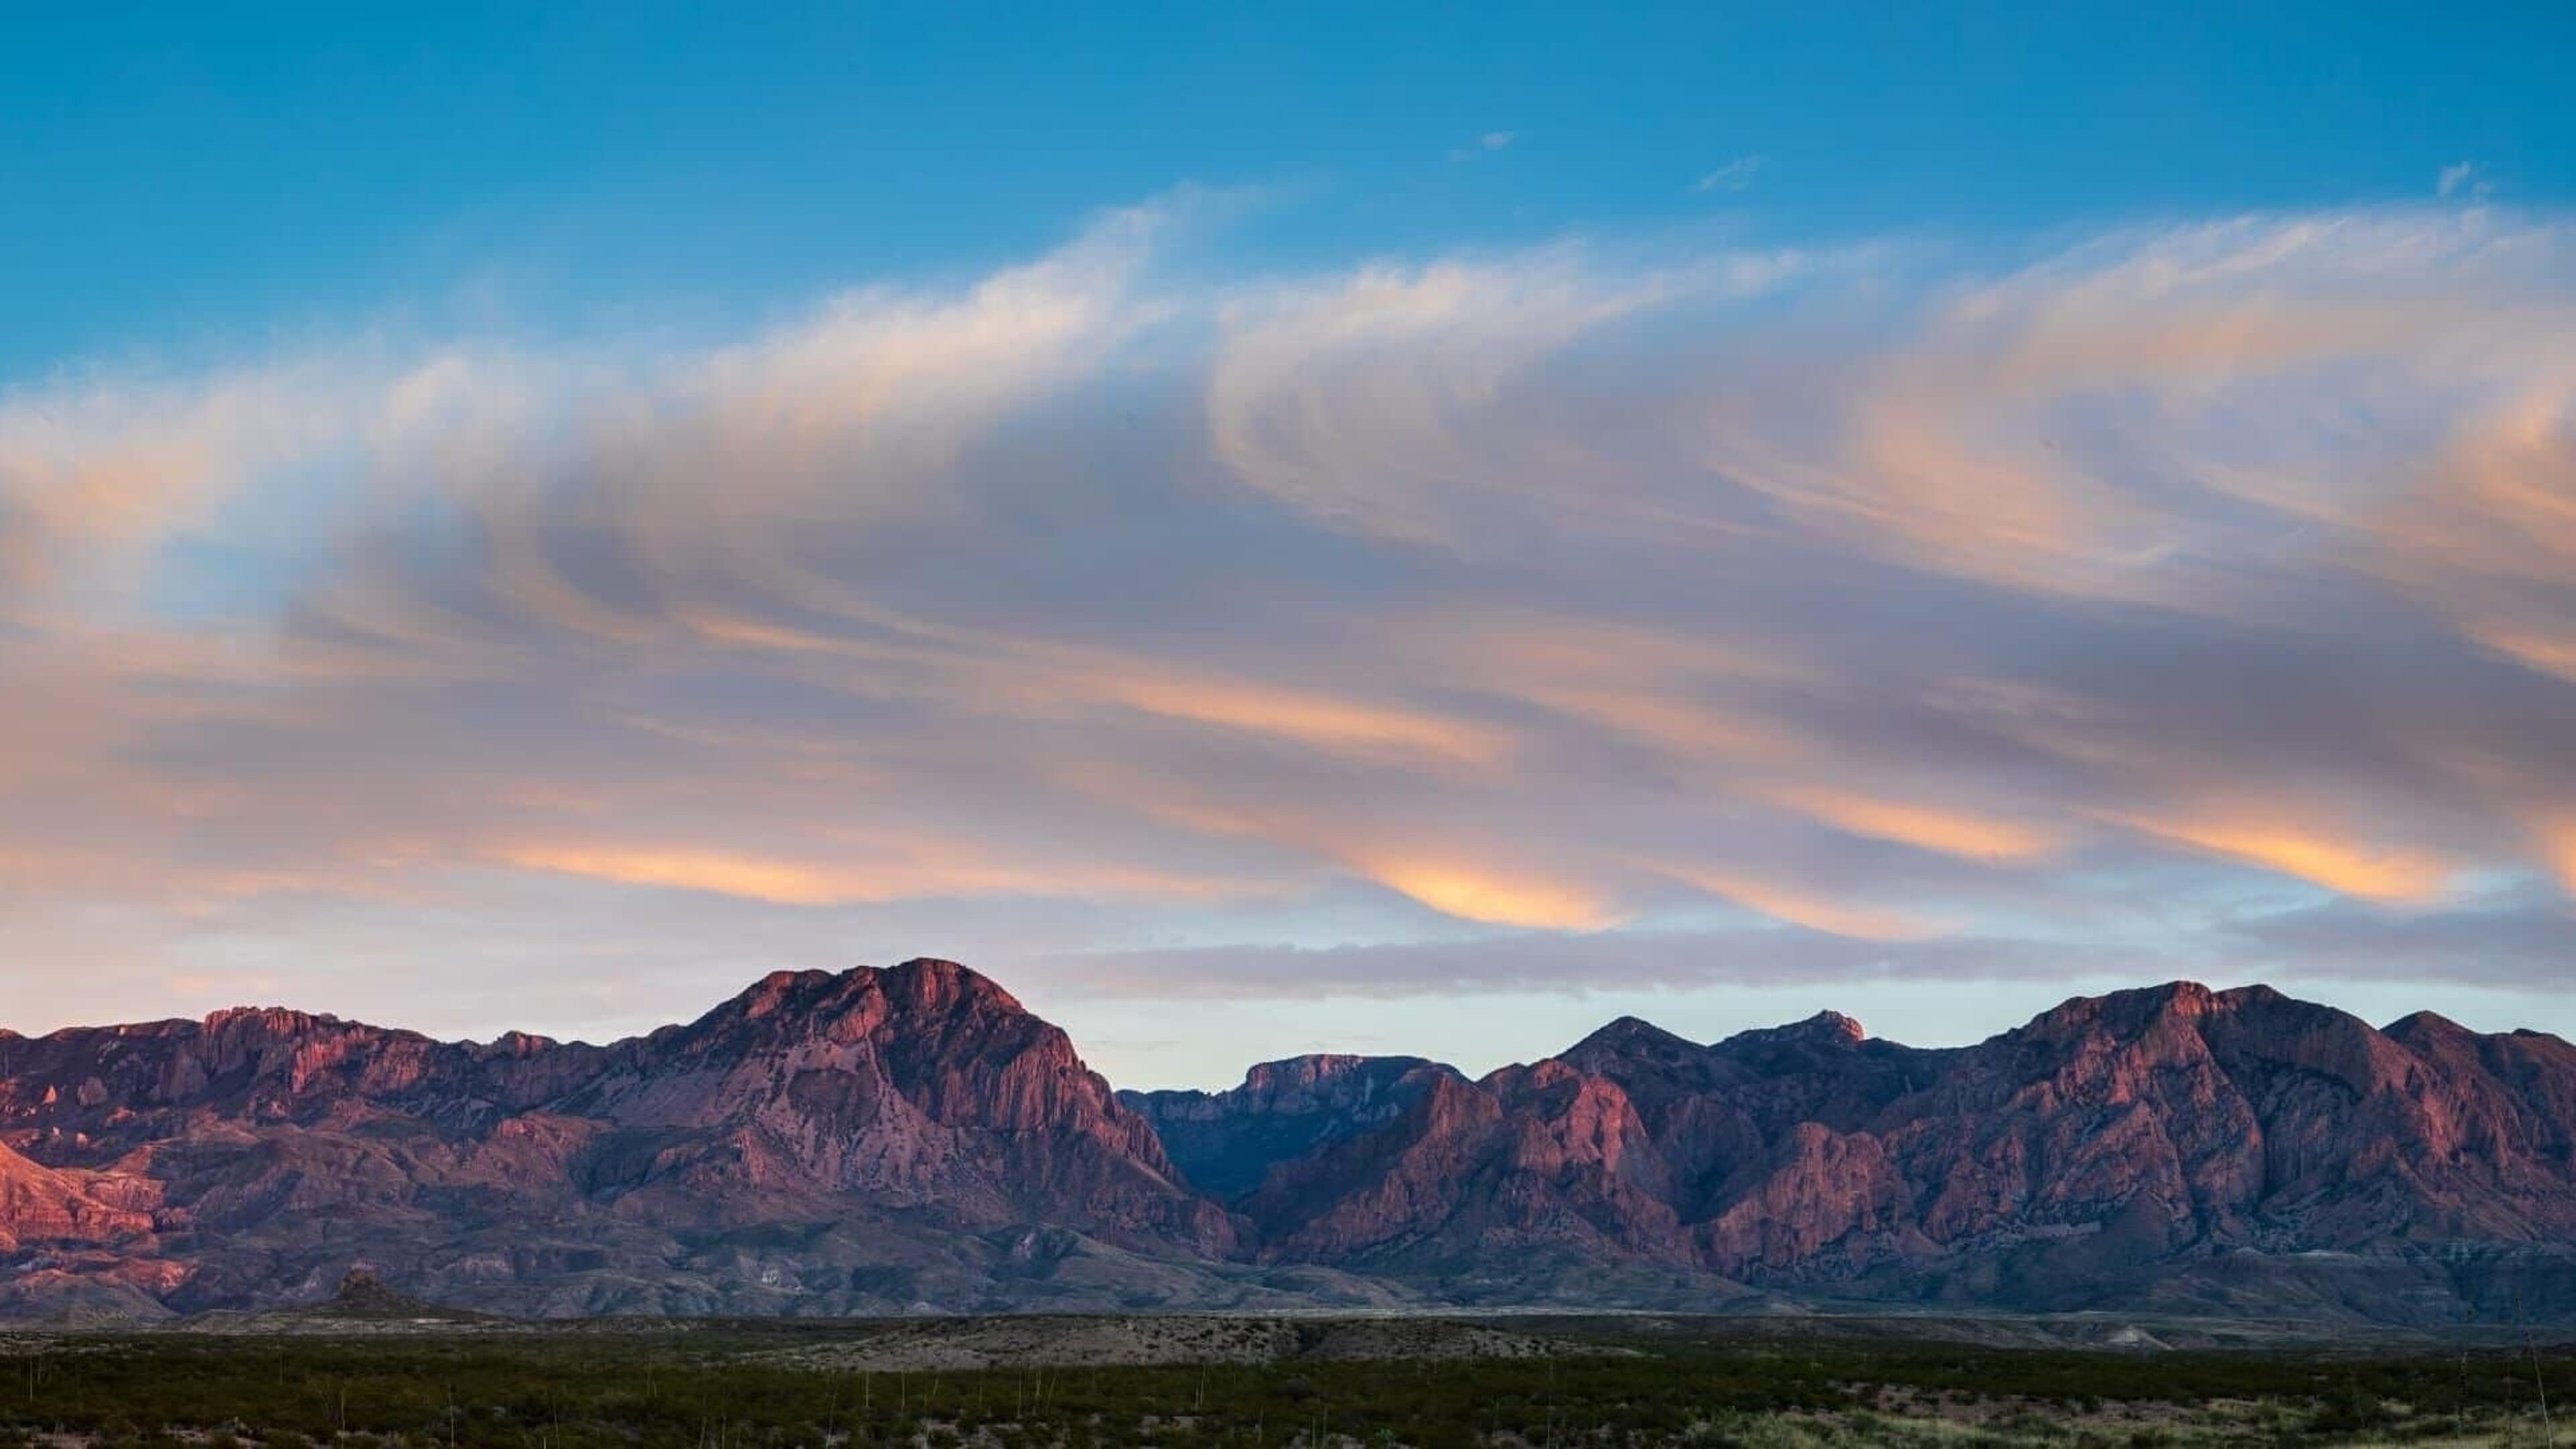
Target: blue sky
point(1290, 528)
point(185, 177)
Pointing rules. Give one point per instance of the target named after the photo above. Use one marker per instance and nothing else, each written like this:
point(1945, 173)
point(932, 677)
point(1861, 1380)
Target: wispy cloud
point(1735, 175)
point(1861, 610)
point(1557, 963)
point(2462, 179)
point(1487, 143)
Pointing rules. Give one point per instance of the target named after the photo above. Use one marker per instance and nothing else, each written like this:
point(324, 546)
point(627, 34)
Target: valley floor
point(400, 1380)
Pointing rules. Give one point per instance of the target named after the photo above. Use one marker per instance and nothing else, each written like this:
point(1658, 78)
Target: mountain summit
point(908, 1138)
point(818, 1141)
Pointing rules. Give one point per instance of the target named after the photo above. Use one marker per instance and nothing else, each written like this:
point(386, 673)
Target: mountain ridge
point(912, 1138)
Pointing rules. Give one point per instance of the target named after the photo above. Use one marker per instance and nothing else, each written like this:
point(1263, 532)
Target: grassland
point(807, 1386)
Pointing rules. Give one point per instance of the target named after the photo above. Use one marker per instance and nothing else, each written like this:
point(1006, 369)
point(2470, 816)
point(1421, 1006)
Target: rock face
point(807, 1144)
point(882, 1141)
point(1283, 1110)
point(39, 1204)
point(2174, 1146)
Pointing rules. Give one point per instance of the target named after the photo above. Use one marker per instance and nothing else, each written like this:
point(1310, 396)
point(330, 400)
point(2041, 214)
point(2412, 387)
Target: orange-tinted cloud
point(1835, 913)
point(2554, 832)
point(1925, 827)
point(751, 877)
point(1321, 721)
point(2353, 867)
point(894, 870)
point(1492, 895)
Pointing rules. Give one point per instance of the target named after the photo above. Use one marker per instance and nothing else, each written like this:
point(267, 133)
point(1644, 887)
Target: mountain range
point(913, 1139)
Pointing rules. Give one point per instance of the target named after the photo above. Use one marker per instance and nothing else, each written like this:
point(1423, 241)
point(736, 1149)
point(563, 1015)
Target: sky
point(1273, 529)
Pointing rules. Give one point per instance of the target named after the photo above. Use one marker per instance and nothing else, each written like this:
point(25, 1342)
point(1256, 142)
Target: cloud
point(1321, 722)
point(1471, 890)
point(2352, 868)
point(1557, 963)
point(891, 870)
point(1735, 175)
point(1826, 912)
point(2519, 941)
point(2461, 178)
point(1926, 827)
point(1880, 609)
point(1490, 141)
point(1425, 403)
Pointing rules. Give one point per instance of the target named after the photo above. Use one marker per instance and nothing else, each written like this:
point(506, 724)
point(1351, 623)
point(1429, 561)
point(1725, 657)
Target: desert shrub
point(716, 1387)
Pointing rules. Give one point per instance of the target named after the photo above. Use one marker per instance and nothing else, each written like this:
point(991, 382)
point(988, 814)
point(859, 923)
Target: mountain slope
point(2169, 1144)
point(814, 1131)
point(889, 1140)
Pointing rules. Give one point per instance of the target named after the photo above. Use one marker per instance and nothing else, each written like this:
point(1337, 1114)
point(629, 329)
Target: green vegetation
point(722, 1387)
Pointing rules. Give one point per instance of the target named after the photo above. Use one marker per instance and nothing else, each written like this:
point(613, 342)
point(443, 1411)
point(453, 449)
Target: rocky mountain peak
point(1301, 1071)
point(931, 983)
point(784, 991)
point(847, 1005)
point(2126, 1013)
point(1322, 1075)
point(1828, 1030)
point(1832, 1025)
point(1631, 1036)
point(2424, 1026)
point(276, 1019)
point(520, 1044)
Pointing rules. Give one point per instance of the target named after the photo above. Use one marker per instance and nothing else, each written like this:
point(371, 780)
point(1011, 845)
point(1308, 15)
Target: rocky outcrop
point(40, 1205)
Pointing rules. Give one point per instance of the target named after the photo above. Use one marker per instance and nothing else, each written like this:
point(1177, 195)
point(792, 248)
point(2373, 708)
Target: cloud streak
point(1735, 175)
point(1865, 610)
